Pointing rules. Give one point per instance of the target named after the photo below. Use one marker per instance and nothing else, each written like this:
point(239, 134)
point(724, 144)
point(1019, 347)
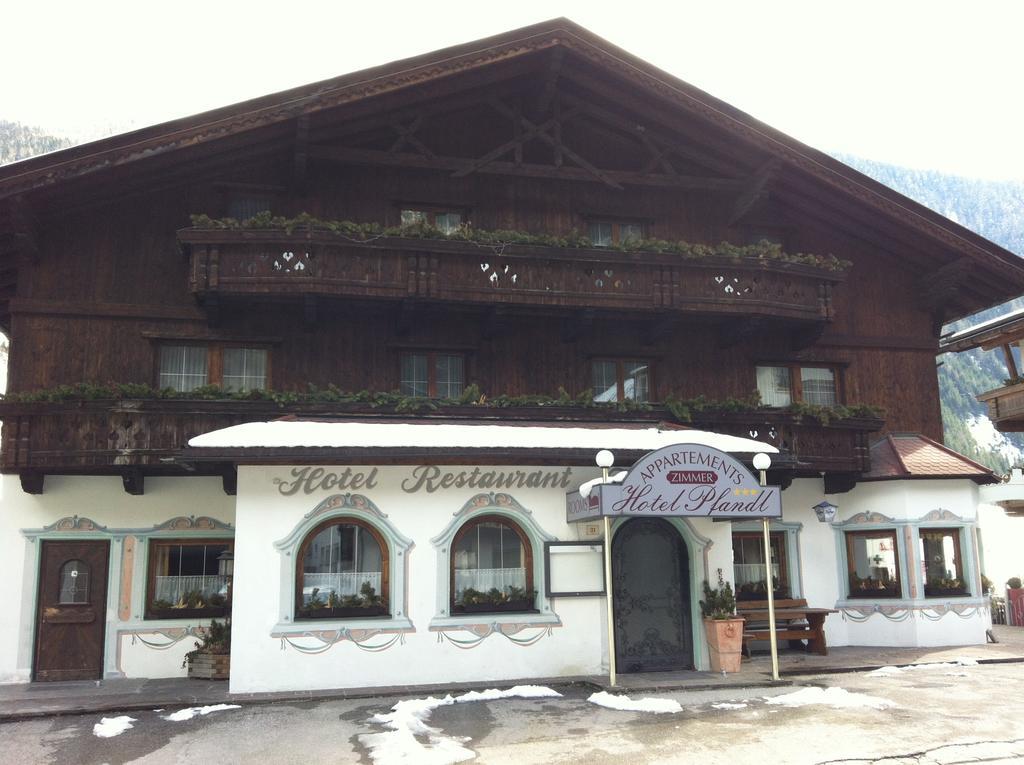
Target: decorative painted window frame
point(908, 542)
point(504, 505)
point(792, 536)
point(946, 519)
point(341, 506)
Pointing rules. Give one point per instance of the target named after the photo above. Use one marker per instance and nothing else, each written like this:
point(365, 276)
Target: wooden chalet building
point(333, 358)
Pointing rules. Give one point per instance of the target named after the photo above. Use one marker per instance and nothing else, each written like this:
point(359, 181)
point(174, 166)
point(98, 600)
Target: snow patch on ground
point(838, 698)
point(516, 691)
point(728, 705)
point(946, 665)
point(986, 436)
point(407, 720)
point(626, 704)
point(112, 726)
point(187, 714)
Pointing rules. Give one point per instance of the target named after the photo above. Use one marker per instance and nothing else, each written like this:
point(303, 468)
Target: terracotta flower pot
point(725, 643)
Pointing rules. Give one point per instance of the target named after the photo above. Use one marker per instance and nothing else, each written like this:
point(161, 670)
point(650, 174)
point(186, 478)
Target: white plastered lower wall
point(572, 641)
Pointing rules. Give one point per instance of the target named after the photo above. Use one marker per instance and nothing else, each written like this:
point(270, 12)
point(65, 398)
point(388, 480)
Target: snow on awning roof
point(983, 333)
point(306, 434)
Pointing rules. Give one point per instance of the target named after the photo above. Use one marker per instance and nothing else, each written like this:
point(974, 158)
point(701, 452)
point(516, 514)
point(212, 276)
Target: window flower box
point(512, 606)
point(343, 612)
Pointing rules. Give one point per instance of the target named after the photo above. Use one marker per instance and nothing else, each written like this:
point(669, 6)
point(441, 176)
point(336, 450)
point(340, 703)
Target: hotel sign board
point(689, 480)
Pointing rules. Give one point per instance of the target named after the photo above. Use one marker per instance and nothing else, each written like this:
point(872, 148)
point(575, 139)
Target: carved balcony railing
point(235, 263)
point(146, 435)
point(1006, 407)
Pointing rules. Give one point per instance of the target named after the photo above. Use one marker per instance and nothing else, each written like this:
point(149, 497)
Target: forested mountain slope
point(992, 208)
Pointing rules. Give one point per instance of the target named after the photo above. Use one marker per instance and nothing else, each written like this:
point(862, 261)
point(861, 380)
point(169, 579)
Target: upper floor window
point(608, 233)
point(620, 380)
point(187, 367)
point(782, 385)
point(343, 571)
point(941, 568)
point(492, 567)
point(189, 578)
point(448, 221)
point(873, 564)
point(242, 206)
point(432, 374)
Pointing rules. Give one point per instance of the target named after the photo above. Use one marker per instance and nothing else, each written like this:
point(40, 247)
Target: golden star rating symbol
point(745, 492)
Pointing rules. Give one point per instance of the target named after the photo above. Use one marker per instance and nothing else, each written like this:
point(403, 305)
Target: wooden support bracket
point(229, 479)
point(134, 482)
point(755, 190)
point(32, 482)
point(840, 483)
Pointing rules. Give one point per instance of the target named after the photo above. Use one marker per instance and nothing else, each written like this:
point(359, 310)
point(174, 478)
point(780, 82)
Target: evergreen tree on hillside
point(19, 141)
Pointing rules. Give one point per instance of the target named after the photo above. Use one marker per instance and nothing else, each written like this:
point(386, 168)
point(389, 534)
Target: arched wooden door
point(651, 590)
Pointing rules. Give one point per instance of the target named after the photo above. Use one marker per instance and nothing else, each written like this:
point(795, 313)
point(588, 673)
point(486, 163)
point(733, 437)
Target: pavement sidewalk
point(33, 700)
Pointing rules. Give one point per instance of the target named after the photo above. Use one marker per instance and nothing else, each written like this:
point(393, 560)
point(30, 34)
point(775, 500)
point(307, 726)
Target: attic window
point(447, 220)
point(609, 233)
point(245, 205)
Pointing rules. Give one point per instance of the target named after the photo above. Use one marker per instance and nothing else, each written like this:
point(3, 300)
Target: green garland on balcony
point(683, 410)
point(363, 232)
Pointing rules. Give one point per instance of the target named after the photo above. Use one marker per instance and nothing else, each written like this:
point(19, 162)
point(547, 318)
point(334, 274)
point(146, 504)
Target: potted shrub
point(723, 628)
point(211, 658)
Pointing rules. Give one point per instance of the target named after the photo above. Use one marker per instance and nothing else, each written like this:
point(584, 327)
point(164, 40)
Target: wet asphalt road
point(961, 714)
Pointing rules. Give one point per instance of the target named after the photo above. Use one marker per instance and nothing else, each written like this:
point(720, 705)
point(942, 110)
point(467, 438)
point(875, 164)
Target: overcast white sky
point(926, 84)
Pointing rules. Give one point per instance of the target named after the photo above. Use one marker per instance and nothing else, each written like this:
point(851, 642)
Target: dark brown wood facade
point(540, 131)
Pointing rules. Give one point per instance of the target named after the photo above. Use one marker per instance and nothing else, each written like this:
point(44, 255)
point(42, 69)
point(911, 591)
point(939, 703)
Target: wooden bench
point(794, 621)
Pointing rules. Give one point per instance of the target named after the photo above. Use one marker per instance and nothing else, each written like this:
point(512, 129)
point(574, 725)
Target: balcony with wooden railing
point(139, 437)
point(1006, 407)
point(234, 264)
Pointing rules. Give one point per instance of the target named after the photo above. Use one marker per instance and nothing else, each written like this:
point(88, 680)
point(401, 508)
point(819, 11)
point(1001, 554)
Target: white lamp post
point(761, 463)
point(605, 459)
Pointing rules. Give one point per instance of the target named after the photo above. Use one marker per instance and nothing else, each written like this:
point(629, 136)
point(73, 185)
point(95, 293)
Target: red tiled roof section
point(911, 455)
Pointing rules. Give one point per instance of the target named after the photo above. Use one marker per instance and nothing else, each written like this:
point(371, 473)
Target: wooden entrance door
point(651, 581)
point(70, 622)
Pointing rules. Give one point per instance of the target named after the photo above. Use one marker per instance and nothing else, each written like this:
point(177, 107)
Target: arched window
point(74, 582)
point(342, 572)
point(491, 567)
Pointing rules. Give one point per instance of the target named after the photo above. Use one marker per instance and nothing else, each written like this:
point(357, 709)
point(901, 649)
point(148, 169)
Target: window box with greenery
point(344, 572)
point(873, 565)
point(492, 568)
point(941, 568)
point(189, 578)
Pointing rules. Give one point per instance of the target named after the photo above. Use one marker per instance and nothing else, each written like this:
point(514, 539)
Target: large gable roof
point(753, 148)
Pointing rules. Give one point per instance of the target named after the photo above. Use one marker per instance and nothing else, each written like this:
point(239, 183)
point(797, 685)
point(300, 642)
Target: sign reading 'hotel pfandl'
point(681, 480)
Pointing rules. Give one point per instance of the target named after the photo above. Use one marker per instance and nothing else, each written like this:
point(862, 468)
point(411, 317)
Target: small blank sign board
point(573, 569)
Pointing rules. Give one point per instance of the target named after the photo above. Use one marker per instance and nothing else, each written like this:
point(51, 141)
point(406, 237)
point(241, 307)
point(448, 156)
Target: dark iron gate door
point(651, 589)
point(72, 610)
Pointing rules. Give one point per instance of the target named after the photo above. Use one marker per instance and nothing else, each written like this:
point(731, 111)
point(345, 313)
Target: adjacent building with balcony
point(331, 359)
